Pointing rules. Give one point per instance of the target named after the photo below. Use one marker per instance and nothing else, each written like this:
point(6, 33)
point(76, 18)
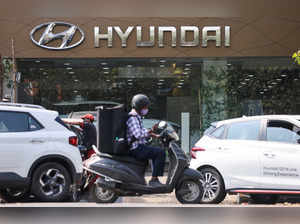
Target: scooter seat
point(126, 159)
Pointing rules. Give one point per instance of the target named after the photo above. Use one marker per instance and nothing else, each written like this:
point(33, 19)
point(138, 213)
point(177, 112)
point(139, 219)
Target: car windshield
point(148, 123)
point(79, 114)
point(209, 130)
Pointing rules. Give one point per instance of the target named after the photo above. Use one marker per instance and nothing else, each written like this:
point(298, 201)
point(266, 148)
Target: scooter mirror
point(162, 125)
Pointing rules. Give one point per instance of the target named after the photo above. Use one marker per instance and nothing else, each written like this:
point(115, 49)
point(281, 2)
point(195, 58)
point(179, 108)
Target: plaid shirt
point(135, 128)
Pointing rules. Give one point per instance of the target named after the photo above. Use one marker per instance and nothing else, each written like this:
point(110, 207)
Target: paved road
point(163, 200)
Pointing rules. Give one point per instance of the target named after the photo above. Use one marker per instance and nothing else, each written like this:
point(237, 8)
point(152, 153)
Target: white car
point(38, 154)
point(258, 155)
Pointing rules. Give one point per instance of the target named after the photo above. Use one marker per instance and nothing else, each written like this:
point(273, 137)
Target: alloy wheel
point(194, 191)
point(211, 187)
point(52, 182)
point(104, 194)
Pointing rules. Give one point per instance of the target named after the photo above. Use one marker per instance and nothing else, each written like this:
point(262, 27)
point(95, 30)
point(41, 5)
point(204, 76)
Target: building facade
point(198, 61)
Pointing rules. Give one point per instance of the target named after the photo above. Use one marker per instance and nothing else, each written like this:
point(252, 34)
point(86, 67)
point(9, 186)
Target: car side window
point(246, 130)
point(218, 133)
point(33, 124)
point(17, 122)
point(282, 131)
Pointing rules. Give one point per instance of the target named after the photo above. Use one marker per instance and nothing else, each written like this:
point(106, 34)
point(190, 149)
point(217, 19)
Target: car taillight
point(73, 140)
point(194, 150)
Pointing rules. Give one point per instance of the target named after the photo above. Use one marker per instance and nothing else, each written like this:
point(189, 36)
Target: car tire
point(51, 182)
point(264, 198)
point(213, 186)
point(194, 194)
point(10, 195)
point(100, 195)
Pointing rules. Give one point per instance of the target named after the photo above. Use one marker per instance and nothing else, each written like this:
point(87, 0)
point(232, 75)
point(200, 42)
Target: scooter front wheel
point(189, 192)
point(102, 195)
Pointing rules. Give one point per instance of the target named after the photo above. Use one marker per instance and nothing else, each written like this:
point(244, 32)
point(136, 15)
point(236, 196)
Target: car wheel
point(264, 198)
point(14, 195)
point(102, 195)
point(51, 182)
point(189, 192)
point(213, 186)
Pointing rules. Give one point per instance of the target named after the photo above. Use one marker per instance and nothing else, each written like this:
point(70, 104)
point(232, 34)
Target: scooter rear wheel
point(101, 195)
point(189, 192)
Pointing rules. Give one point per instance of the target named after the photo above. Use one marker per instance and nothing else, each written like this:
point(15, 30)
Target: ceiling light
point(274, 83)
point(188, 64)
point(106, 68)
point(75, 91)
point(41, 69)
point(37, 61)
point(71, 72)
point(182, 80)
point(283, 75)
point(103, 63)
point(106, 72)
point(161, 80)
point(179, 86)
point(162, 61)
point(250, 76)
point(130, 83)
point(129, 80)
point(162, 66)
point(247, 79)
point(261, 92)
point(107, 80)
point(159, 83)
point(187, 69)
point(44, 73)
point(181, 83)
point(69, 68)
point(278, 80)
point(129, 66)
point(243, 83)
point(67, 64)
point(76, 80)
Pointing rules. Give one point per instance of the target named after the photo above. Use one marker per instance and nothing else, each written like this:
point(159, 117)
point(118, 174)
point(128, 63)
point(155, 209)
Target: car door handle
point(222, 148)
point(34, 141)
point(269, 155)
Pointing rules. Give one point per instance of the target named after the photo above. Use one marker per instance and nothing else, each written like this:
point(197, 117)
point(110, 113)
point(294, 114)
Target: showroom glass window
point(17, 122)
point(282, 131)
point(246, 130)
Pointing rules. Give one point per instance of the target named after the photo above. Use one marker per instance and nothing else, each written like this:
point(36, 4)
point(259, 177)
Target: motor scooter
point(125, 176)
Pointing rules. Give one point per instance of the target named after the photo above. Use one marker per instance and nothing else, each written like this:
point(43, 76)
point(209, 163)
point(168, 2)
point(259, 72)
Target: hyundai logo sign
point(48, 36)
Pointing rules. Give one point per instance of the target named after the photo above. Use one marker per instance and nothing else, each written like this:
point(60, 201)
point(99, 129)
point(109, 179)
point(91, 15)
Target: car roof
point(245, 118)
point(29, 108)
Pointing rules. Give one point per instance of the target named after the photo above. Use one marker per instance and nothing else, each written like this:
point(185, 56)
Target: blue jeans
point(157, 155)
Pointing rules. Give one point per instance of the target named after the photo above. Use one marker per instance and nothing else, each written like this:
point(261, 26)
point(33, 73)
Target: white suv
point(258, 155)
point(38, 154)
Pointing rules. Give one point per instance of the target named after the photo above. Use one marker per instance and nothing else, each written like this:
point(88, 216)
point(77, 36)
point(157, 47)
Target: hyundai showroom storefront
point(195, 69)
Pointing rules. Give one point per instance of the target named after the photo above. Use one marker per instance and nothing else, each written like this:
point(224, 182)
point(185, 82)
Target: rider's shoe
point(155, 183)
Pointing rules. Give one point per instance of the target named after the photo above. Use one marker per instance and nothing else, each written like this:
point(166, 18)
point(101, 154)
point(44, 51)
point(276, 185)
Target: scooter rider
point(89, 133)
point(137, 135)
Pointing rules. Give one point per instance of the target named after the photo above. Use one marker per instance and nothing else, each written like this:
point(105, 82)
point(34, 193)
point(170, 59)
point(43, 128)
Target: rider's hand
point(153, 135)
point(154, 127)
